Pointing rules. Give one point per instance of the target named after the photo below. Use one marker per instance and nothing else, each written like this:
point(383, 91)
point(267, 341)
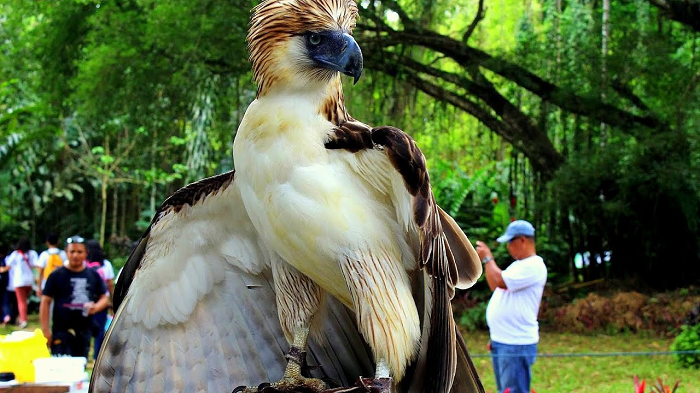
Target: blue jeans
point(512, 365)
point(98, 330)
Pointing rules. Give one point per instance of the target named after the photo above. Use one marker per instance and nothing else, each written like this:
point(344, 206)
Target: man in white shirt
point(512, 310)
point(47, 264)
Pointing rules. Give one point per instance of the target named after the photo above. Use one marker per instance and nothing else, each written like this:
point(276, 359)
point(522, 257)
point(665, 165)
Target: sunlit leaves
point(177, 141)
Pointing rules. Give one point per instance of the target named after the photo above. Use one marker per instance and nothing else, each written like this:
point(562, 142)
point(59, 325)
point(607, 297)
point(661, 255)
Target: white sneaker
point(23, 324)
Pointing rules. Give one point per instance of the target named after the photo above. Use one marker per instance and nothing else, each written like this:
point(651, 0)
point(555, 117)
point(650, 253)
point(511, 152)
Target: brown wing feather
point(435, 368)
point(235, 331)
point(469, 267)
point(439, 349)
point(466, 377)
point(410, 163)
point(442, 242)
point(189, 195)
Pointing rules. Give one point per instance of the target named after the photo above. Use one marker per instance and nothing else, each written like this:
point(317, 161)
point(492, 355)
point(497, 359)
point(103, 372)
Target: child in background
point(96, 260)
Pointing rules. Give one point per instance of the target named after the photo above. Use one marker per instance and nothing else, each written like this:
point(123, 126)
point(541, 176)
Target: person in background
point(4, 282)
point(49, 260)
point(77, 293)
point(20, 264)
point(96, 260)
point(10, 307)
point(512, 310)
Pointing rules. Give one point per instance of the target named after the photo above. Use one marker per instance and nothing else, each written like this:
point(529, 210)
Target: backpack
point(97, 267)
point(53, 263)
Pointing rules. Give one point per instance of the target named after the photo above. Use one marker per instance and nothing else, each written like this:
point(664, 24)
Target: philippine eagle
point(327, 227)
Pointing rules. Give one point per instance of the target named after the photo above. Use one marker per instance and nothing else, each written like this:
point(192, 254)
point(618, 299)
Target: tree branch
point(123, 154)
point(484, 90)
point(566, 99)
point(686, 12)
point(625, 92)
point(479, 16)
point(514, 126)
point(408, 23)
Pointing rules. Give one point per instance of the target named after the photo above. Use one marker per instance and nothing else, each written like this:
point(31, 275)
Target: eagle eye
point(314, 39)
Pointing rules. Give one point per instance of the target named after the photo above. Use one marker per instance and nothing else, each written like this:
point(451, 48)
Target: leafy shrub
point(473, 318)
point(587, 314)
point(469, 307)
point(688, 340)
point(662, 314)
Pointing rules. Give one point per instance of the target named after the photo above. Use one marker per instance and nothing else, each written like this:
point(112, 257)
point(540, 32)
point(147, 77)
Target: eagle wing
point(390, 160)
point(196, 307)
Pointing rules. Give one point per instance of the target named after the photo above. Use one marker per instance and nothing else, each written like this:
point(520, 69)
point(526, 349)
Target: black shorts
point(71, 342)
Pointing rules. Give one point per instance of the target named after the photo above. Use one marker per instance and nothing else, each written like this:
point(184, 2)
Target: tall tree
point(631, 113)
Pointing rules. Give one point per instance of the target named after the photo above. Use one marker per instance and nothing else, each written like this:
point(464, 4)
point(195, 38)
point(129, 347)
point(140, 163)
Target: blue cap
point(515, 229)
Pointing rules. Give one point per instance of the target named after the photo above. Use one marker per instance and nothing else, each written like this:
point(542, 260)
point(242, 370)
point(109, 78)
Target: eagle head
point(299, 43)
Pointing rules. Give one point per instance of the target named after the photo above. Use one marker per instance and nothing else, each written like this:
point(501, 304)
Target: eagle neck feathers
point(333, 104)
point(328, 100)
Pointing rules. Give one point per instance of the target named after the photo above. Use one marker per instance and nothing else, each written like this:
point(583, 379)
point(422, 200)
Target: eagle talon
point(297, 384)
point(375, 385)
point(246, 389)
point(286, 385)
point(293, 381)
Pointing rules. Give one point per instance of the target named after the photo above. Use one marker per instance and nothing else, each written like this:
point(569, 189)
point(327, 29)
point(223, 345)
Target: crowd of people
point(74, 286)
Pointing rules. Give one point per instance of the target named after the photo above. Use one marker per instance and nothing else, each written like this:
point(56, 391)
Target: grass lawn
point(32, 323)
point(580, 374)
point(593, 374)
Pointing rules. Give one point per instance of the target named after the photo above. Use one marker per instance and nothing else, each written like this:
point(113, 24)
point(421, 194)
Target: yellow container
point(18, 351)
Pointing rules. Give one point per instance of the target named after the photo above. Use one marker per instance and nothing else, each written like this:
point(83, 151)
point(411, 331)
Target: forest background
point(581, 116)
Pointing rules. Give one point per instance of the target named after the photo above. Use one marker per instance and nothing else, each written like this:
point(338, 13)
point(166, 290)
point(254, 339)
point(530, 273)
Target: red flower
point(639, 387)
point(495, 201)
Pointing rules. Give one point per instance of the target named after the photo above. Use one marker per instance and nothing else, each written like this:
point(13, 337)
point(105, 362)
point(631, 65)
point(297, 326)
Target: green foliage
point(118, 263)
point(125, 102)
point(96, 91)
point(473, 318)
point(688, 340)
point(638, 201)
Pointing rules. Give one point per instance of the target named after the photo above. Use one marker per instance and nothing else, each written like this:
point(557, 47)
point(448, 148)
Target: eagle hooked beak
point(336, 51)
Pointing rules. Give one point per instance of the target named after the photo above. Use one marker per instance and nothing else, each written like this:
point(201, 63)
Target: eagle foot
point(363, 385)
point(293, 381)
point(287, 385)
point(298, 356)
point(376, 385)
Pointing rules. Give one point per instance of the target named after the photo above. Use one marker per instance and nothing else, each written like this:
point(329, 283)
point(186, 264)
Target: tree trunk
point(154, 150)
point(604, 66)
point(34, 204)
point(115, 210)
point(103, 216)
point(122, 216)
